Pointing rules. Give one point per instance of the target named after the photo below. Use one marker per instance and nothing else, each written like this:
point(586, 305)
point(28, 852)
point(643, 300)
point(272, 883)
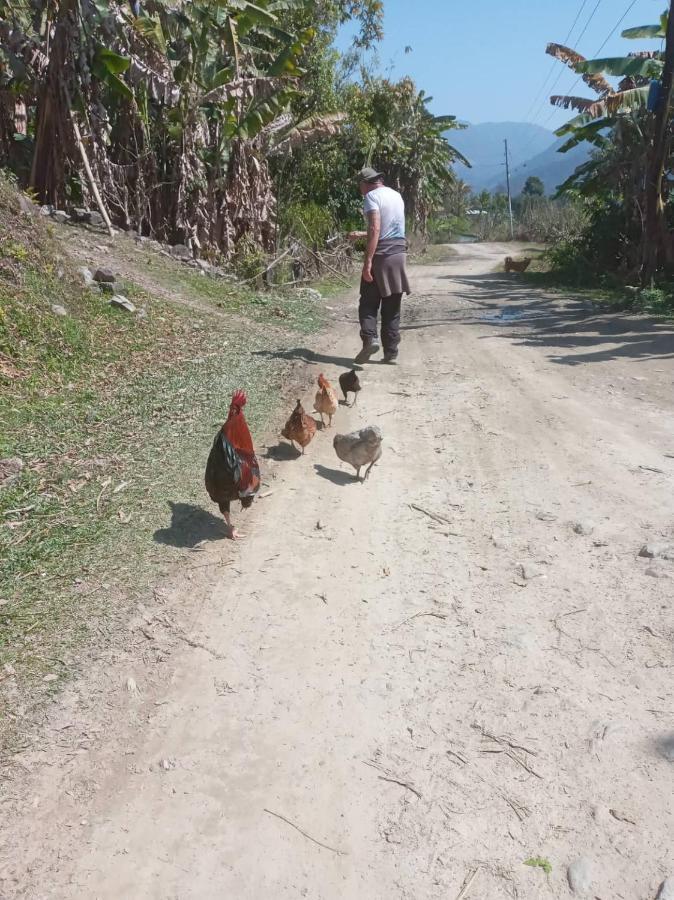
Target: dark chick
point(350, 384)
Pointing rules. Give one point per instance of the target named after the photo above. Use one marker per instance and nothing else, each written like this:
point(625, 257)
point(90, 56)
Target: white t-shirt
point(391, 208)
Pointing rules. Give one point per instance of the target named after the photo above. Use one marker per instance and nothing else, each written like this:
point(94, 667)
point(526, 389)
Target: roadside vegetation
point(111, 415)
point(624, 189)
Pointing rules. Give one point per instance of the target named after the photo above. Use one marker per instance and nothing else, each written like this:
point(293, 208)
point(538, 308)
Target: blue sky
point(485, 61)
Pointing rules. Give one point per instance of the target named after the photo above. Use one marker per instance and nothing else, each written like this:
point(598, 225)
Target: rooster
point(326, 402)
point(350, 383)
point(512, 265)
point(300, 427)
point(232, 470)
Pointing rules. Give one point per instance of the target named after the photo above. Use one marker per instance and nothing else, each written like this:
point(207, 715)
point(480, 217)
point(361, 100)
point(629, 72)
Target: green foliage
point(310, 222)
point(539, 862)
point(533, 187)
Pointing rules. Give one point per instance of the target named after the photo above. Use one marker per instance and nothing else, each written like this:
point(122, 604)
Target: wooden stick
point(467, 883)
point(90, 175)
point(438, 518)
point(435, 615)
point(404, 784)
point(308, 836)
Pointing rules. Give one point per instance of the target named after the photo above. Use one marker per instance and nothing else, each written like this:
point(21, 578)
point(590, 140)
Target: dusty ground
point(361, 701)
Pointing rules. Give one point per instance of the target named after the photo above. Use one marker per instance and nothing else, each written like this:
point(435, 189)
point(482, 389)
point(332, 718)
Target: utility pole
point(510, 201)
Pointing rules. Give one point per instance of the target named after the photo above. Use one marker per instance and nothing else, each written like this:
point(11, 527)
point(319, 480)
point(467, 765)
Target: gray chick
point(361, 448)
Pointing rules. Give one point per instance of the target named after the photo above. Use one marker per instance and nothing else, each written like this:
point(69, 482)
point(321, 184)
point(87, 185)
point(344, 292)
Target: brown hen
point(300, 427)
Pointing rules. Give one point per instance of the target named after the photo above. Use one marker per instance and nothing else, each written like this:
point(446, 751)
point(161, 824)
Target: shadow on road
point(189, 526)
point(282, 452)
point(571, 328)
point(304, 354)
point(335, 475)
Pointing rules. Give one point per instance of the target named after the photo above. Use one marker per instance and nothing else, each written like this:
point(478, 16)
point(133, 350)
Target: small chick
point(300, 427)
point(326, 399)
point(360, 448)
point(350, 384)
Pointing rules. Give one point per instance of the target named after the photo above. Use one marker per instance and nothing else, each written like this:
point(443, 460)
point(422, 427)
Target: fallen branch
point(467, 883)
point(304, 833)
point(435, 615)
point(404, 784)
point(443, 520)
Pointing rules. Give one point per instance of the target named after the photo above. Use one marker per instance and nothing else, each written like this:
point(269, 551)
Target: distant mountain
point(551, 167)
point(532, 150)
point(483, 146)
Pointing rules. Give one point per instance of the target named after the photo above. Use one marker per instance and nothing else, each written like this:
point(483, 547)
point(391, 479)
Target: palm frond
point(574, 60)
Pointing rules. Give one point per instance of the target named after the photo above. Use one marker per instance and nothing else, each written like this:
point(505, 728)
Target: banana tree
point(633, 143)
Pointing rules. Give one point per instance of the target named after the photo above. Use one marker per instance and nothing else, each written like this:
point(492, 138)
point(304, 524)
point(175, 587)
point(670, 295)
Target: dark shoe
point(365, 354)
point(391, 359)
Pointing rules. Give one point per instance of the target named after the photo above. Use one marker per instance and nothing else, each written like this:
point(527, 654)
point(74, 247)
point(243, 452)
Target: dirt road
point(440, 680)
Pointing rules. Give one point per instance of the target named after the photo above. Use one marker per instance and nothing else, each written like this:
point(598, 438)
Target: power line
point(552, 67)
point(610, 35)
point(559, 75)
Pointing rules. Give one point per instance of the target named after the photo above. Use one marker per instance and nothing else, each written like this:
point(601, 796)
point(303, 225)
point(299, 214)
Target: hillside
point(552, 167)
point(483, 145)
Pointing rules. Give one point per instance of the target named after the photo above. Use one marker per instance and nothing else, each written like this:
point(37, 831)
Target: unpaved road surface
point(365, 700)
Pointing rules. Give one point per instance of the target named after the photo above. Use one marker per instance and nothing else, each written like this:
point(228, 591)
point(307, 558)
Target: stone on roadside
point(93, 217)
point(78, 214)
point(87, 276)
point(666, 891)
point(656, 572)
point(60, 216)
point(310, 293)
point(26, 205)
point(204, 265)
point(119, 300)
point(104, 276)
point(655, 550)
point(584, 527)
point(49, 678)
point(180, 251)
point(528, 572)
point(59, 310)
point(579, 875)
point(10, 470)
point(142, 313)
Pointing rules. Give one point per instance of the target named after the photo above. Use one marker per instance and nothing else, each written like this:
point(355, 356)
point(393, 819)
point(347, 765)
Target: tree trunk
point(53, 138)
point(657, 245)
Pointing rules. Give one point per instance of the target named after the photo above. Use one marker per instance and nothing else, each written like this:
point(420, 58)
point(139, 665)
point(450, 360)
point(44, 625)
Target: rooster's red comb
point(239, 399)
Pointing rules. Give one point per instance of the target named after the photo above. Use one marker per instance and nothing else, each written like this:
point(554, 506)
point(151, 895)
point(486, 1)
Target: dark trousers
point(368, 309)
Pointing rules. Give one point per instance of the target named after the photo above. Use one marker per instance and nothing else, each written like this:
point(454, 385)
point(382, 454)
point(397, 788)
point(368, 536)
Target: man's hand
point(367, 272)
point(356, 235)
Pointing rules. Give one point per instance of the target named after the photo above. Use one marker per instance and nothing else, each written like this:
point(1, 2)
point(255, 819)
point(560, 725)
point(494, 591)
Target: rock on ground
point(122, 302)
point(579, 875)
point(666, 891)
point(59, 310)
point(104, 276)
point(657, 551)
point(10, 470)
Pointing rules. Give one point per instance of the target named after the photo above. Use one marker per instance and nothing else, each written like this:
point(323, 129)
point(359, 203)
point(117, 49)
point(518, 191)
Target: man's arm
point(373, 231)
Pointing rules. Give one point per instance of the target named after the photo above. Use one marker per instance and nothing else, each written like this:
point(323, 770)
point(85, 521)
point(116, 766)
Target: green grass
point(113, 416)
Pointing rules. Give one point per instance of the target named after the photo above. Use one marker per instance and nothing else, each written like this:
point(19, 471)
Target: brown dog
point(512, 265)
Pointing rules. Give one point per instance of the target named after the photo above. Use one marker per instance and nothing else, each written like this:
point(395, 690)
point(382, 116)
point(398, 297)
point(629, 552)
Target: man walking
point(384, 278)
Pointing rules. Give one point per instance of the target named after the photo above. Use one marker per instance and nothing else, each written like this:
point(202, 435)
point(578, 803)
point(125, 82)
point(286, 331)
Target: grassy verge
point(607, 293)
point(112, 415)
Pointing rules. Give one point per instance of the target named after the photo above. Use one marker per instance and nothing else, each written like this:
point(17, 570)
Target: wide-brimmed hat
point(368, 174)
